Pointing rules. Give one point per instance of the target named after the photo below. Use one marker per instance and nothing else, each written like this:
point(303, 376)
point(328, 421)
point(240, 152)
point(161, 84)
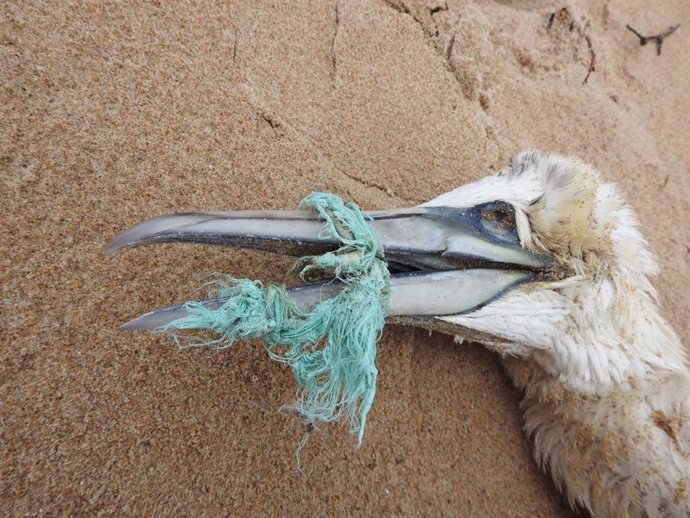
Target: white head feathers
point(601, 326)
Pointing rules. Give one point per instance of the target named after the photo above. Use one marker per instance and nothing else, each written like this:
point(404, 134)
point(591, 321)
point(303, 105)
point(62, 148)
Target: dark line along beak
point(460, 258)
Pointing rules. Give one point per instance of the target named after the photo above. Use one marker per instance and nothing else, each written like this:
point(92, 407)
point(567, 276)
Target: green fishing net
point(330, 348)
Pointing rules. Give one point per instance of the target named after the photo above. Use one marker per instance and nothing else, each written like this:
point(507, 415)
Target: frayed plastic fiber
point(331, 349)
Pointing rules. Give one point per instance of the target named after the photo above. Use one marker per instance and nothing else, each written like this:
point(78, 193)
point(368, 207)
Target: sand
point(114, 113)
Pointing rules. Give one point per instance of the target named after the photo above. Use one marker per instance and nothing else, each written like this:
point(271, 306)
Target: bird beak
point(444, 260)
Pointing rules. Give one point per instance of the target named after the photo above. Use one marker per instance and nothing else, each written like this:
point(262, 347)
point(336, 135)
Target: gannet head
point(599, 325)
point(541, 260)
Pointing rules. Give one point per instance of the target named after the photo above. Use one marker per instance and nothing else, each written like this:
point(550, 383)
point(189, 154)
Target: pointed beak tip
point(109, 249)
point(116, 244)
point(129, 326)
point(137, 324)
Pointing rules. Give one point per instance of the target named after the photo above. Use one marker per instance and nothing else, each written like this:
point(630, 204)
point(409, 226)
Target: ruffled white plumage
point(606, 379)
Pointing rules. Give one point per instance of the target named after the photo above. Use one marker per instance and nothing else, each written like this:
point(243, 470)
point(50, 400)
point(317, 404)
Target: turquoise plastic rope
point(330, 349)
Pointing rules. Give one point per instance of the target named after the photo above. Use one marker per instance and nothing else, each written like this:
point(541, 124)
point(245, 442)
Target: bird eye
point(498, 219)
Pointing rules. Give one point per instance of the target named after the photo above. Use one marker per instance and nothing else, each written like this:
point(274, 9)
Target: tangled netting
point(331, 348)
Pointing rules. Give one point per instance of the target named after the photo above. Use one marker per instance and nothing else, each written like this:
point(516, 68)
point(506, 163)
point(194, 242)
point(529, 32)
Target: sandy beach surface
point(113, 112)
